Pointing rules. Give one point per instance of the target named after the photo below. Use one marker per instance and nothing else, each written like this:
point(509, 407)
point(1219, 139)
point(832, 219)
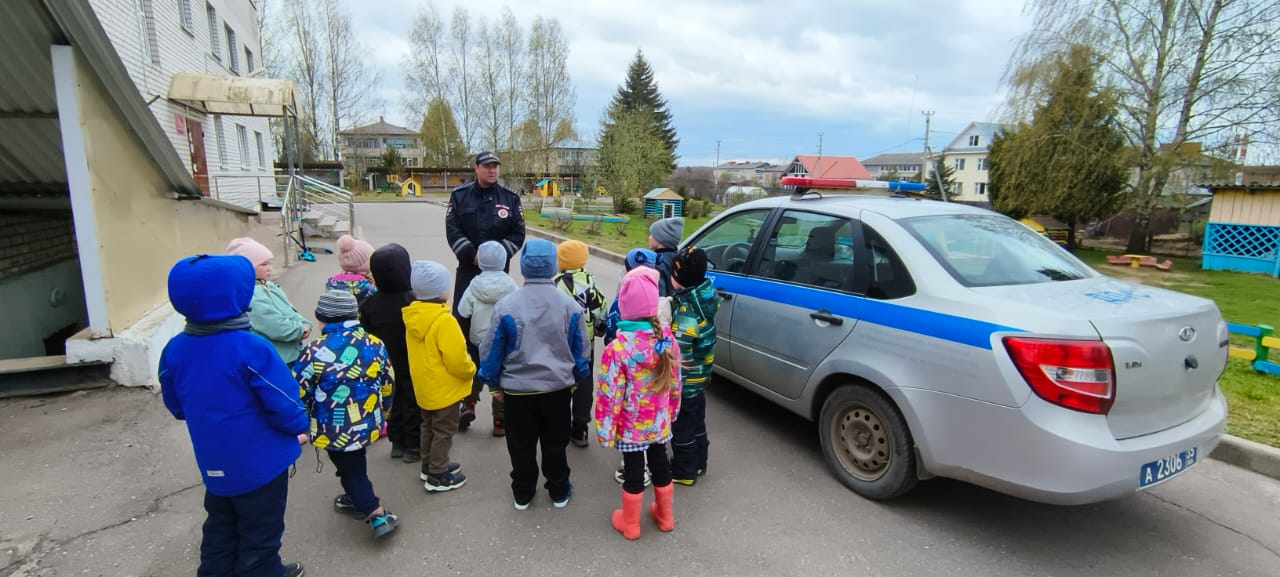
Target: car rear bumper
point(1042, 452)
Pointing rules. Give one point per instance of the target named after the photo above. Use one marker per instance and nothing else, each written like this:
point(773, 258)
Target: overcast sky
point(763, 78)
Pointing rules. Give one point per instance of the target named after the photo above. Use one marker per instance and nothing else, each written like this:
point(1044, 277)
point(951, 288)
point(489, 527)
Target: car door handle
point(825, 316)
point(724, 295)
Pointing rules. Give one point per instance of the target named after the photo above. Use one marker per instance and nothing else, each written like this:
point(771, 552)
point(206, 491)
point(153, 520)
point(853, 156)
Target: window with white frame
point(982, 163)
point(222, 141)
point(214, 46)
point(979, 188)
point(959, 164)
point(973, 140)
point(242, 135)
point(249, 65)
point(184, 12)
point(233, 56)
point(153, 40)
point(262, 151)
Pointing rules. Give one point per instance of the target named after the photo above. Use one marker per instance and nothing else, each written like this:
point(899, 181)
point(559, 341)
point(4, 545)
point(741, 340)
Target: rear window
point(992, 250)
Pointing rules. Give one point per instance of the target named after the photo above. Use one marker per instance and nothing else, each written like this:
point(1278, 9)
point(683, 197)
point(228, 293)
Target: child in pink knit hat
point(637, 398)
point(353, 256)
point(270, 313)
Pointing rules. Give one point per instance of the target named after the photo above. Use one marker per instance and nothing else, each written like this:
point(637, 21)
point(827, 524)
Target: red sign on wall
point(180, 122)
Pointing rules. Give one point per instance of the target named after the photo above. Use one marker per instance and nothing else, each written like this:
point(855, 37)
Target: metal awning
point(234, 95)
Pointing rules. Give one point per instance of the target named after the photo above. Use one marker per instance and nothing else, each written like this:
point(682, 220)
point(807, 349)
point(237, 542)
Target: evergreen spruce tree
point(639, 93)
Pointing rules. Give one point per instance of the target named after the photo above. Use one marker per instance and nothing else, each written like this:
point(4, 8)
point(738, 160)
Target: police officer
point(479, 212)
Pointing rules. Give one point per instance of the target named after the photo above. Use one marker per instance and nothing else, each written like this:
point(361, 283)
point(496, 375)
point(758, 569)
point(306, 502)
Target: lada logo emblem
point(1186, 334)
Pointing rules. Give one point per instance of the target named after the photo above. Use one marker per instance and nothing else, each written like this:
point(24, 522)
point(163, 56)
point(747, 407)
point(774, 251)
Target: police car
point(937, 339)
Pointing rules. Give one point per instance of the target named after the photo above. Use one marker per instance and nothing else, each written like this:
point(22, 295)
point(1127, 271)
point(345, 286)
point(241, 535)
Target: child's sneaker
point(445, 482)
point(292, 570)
point(468, 415)
point(397, 451)
point(499, 428)
point(579, 438)
point(342, 504)
point(686, 482)
point(384, 523)
point(521, 506)
point(454, 468)
point(617, 476)
point(563, 501)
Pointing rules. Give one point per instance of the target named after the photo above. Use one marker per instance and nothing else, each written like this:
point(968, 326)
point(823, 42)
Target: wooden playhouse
point(663, 203)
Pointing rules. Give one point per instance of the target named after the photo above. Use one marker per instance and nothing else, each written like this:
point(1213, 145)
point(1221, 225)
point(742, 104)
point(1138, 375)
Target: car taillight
point(1078, 375)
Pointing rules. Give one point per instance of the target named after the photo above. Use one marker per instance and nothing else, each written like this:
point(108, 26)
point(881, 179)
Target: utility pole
point(928, 121)
point(715, 172)
point(817, 169)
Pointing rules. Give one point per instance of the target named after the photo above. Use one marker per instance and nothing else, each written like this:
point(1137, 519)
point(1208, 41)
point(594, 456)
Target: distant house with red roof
point(827, 166)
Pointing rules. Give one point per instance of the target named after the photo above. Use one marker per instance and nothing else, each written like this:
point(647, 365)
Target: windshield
point(991, 250)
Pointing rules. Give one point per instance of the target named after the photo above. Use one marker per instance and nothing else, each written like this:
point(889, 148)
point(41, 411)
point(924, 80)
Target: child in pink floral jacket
point(637, 398)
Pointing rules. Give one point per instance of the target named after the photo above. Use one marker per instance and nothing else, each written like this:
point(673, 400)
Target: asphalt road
point(111, 489)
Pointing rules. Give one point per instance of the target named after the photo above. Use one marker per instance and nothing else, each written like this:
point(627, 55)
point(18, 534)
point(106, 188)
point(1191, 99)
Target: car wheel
point(866, 442)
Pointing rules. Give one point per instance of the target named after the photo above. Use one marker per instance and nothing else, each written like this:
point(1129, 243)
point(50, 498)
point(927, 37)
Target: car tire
point(867, 443)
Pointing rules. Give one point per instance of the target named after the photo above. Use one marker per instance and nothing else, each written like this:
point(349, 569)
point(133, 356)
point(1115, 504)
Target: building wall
point(1240, 207)
point(234, 177)
point(40, 282)
point(968, 178)
point(142, 231)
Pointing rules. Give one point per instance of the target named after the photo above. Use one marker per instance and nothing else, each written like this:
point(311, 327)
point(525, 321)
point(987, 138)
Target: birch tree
point(307, 70)
point(348, 74)
point(461, 77)
point(550, 94)
point(1183, 71)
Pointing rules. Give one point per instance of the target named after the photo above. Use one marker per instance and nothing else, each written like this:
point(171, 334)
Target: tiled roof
point(833, 166)
point(379, 128)
point(895, 159)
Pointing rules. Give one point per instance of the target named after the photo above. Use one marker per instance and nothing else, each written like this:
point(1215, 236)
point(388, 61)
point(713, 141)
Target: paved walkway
point(103, 484)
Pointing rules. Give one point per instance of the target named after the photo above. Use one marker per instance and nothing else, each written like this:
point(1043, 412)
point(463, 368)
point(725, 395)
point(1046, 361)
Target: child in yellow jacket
point(441, 369)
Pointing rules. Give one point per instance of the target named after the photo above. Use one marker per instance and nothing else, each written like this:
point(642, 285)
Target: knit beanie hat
point(353, 254)
point(641, 257)
point(491, 256)
point(250, 249)
point(638, 295)
point(430, 280)
point(571, 254)
point(538, 259)
point(689, 268)
point(667, 231)
point(336, 306)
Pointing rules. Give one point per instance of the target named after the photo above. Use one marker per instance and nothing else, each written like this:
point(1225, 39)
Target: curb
point(592, 249)
point(1256, 457)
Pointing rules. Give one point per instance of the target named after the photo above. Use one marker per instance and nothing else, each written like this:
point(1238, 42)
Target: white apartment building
point(230, 157)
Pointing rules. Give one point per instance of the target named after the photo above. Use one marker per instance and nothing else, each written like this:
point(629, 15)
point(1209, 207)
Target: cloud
point(785, 67)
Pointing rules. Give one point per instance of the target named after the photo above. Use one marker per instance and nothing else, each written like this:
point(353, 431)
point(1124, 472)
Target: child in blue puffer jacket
point(242, 410)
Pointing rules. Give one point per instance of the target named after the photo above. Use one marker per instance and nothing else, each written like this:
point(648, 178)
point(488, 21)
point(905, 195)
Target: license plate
point(1161, 470)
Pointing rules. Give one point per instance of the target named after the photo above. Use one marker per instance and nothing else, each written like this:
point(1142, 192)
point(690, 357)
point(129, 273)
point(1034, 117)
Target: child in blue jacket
point(242, 410)
point(346, 384)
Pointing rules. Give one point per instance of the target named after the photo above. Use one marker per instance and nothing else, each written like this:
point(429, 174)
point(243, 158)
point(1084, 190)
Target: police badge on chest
point(504, 211)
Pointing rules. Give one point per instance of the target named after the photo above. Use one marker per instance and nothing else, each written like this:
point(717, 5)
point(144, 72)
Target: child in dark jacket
point(346, 387)
point(635, 257)
point(242, 410)
point(693, 322)
point(574, 280)
point(382, 314)
point(535, 352)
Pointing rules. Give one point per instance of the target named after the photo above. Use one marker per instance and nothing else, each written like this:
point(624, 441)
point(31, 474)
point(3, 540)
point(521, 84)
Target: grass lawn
point(1243, 298)
point(610, 236)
